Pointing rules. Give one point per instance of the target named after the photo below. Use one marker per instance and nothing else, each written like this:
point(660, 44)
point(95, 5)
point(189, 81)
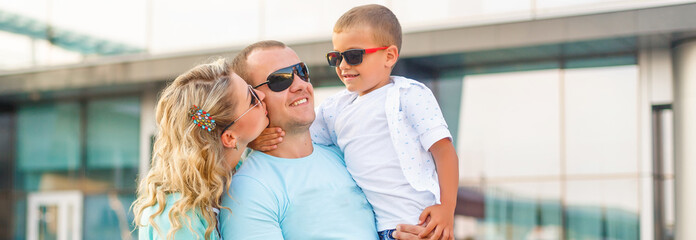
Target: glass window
point(601, 109)
point(113, 133)
point(7, 138)
point(510, 142)
point(48, 136)
point(602, 209)
point(529, 210)
point(113, 143)
point(511, 120)
point(109, 217)
point(20, 218)
point(448, 94)
point(6, 172)
point(51, 157)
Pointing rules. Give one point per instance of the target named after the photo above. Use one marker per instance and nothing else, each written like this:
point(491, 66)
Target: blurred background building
point(572, 118)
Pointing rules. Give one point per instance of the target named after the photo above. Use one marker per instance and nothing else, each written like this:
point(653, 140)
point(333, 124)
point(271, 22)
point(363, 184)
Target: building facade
point(571, 119)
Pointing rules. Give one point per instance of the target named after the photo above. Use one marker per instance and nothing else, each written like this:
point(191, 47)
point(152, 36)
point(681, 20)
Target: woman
point(205, 119)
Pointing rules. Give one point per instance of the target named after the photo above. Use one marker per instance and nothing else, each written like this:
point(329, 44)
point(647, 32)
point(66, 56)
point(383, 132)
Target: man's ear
point(229, 140)
point(392, 56)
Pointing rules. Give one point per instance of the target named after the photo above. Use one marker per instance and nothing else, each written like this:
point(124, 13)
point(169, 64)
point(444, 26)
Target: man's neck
point(294, 145)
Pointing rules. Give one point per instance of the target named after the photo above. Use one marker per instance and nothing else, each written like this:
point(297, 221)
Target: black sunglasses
point(352, 56)
point(282, 78)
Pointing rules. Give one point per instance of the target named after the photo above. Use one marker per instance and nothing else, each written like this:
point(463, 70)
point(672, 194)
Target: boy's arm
point(268, 139)
point(320, 132)
point(425, 115)
point(441, 217)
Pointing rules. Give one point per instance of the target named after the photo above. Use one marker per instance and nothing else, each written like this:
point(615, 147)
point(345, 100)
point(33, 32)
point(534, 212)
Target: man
point(297, 190)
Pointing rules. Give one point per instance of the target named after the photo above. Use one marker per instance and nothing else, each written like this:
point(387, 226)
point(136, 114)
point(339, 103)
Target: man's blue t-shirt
point(313, 197)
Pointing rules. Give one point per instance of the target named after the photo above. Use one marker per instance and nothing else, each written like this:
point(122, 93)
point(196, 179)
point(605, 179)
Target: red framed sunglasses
point(352, 56)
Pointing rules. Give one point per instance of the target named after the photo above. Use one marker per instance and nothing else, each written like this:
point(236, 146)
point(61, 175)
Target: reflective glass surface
point(510, 120)
point(600, 112)
point(529, 140)
point(48, 136)
point(48, 145)
point(602, 209)
point(523, 210)
point(91, 146)
point(113, 133)
point(109, 216)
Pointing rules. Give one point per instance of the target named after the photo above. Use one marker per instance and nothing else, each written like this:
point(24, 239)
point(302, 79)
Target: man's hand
point(268, 139)
point(408, 232)
point(440, 222)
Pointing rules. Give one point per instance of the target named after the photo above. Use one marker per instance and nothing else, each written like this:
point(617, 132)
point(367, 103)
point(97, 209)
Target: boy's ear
point(392, 56)
point(229, 140)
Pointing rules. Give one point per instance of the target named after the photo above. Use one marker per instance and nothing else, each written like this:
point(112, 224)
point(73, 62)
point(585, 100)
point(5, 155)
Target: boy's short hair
point(240, 65)
point(385, 26)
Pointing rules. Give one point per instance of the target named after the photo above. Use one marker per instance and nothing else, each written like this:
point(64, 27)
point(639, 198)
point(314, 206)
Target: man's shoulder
point(256, 176)
point(331, 151)
point(255, 165)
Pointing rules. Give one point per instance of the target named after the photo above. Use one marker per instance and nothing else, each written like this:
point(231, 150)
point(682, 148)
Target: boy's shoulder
point(339, 96)
point(410, 90)
point(403, 82)
point(337, 100)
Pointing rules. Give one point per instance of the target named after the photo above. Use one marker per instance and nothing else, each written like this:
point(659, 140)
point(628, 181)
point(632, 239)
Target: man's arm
point(253, 211)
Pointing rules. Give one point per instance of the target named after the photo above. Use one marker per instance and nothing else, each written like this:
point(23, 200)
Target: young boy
point(396, 143)
point(388, 127)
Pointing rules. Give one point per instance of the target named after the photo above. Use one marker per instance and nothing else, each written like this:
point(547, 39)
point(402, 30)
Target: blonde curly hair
point(187, 159)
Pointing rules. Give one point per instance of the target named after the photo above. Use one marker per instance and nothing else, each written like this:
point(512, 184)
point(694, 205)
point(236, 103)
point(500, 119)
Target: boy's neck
point(378, 86)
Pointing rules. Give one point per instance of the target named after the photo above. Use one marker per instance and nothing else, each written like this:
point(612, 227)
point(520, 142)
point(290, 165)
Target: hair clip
point(201, 118)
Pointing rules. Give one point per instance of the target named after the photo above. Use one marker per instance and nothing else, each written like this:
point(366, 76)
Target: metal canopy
point(69, 40)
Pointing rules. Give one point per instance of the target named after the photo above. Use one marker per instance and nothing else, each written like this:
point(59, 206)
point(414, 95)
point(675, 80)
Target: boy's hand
point(440, 222)
point(268, 139)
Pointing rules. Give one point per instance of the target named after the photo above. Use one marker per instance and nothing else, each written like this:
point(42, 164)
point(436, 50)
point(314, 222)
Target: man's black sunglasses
point(282, 78)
